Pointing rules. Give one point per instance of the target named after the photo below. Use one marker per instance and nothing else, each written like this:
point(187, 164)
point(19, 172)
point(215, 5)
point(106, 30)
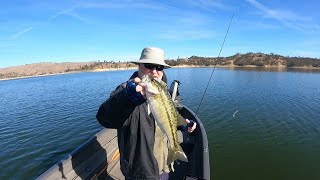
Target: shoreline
point(42, 75)
point(179, 66)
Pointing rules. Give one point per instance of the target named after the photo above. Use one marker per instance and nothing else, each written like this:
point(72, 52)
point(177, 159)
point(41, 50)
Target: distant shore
point(42, 75)
point(250, 61)
point(113, 69)
point(71, 72)
point(180, 66)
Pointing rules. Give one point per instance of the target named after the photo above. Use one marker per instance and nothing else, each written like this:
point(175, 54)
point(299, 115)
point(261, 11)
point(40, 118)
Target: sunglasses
point(152, 66)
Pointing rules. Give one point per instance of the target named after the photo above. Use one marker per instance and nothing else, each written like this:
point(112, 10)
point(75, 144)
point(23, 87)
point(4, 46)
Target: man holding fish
point(146, 119)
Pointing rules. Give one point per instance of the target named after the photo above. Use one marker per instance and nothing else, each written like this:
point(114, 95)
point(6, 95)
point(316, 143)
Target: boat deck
point(98, 158)
point(112, 169)
point(110, 172)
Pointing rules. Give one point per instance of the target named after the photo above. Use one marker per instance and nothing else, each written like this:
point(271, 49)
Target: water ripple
point(250, 117)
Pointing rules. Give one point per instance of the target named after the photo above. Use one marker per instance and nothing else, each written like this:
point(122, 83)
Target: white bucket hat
point(152, 55)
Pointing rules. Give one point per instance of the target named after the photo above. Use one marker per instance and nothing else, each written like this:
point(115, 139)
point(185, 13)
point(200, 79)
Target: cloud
point(20, 33)
point(181, 24)
point(247, 24)
point(208, 4)
point(287, 18)
point(119, 5)
point(69, 12)
point(276, 14)
point(60, 13)
point(78, 5)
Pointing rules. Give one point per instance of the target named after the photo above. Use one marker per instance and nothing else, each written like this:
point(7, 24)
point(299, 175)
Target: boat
point(98, 158)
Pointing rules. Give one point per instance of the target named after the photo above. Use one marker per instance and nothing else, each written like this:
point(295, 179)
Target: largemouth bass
point(165, 114)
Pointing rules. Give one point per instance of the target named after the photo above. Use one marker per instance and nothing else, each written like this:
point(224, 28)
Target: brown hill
point(237, 60)
point(41, 69)
point(249, 59)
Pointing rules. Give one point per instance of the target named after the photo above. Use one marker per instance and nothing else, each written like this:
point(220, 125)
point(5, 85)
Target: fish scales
point(167, 111)
point(165, 114)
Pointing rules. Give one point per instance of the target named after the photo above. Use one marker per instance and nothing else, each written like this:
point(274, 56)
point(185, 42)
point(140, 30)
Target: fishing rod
point(225, 37)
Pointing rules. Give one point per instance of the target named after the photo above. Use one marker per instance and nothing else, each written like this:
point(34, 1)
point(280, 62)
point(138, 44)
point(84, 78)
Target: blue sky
point(33, 31)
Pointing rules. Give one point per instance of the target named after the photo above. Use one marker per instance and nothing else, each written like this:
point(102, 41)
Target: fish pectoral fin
point(176, 154)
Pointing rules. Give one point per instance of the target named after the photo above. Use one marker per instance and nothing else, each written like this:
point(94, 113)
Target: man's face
point(155, 70)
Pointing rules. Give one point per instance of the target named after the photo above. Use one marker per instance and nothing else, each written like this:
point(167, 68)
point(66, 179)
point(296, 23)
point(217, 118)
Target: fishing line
point(225, 37)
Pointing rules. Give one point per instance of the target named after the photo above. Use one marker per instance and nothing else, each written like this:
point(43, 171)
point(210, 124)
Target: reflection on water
point(278, 69)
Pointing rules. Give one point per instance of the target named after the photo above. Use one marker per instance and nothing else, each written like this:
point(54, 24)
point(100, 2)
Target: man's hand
point(140, 88)
point(191, 125)
point(135, 92)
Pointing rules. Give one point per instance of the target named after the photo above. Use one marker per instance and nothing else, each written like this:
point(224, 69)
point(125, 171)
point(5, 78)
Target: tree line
point(254, 59)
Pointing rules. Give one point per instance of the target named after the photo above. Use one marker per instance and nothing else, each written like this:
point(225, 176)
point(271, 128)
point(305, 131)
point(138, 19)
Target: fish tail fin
point(176, 153)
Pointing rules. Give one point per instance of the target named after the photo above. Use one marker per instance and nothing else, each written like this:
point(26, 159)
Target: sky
point(33, 31)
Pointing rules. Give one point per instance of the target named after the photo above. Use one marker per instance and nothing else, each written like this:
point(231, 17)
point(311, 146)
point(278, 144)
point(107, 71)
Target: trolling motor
point(174, 89)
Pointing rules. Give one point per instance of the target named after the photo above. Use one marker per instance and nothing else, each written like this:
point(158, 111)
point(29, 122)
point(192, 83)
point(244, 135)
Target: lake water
point(261, 124)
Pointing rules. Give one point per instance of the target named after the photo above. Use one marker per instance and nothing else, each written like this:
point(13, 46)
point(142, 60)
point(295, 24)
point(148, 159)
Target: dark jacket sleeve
point(114, 111)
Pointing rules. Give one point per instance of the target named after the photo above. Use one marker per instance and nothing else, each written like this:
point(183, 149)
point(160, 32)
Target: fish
point(165, 115)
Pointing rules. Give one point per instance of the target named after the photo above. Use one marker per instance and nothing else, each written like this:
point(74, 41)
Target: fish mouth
point(150, 77)
point(153, 77)
point(156, 78)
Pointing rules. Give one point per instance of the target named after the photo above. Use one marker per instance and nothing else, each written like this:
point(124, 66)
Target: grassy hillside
point(249, 59)
point(239, 60)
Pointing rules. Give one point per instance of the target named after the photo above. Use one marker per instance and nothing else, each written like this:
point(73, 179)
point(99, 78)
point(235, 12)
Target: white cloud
point(18, 34)
point(70, 12)
point(208, 4)
point(119, 5)
point(60, 13)
point(183, 25)
point(286, 17)
point(125, 5)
